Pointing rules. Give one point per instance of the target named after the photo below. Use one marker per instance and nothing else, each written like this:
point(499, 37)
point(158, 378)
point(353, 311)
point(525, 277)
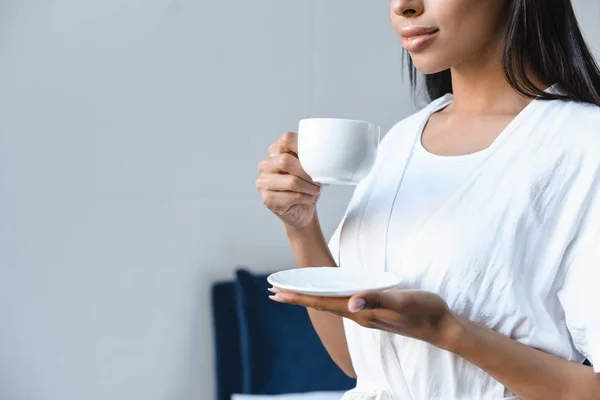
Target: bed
point(268, 349)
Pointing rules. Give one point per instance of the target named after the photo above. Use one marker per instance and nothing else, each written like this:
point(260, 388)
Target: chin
point(427, 62)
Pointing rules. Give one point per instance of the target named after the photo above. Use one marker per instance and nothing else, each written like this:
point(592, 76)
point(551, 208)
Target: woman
point(486, 202)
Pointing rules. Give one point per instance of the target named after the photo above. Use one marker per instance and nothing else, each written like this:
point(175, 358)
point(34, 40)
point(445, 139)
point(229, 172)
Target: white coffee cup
point(337, 151)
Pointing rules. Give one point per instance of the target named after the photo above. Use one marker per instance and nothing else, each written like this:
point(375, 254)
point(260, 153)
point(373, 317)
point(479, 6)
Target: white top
point(428, 180)
point(514, 247)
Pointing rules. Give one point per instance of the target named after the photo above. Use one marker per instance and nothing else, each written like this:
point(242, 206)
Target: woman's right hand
point(286, 188)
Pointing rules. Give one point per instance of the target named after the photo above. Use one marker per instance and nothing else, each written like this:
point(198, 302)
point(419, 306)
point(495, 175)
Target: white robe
point(516, 249)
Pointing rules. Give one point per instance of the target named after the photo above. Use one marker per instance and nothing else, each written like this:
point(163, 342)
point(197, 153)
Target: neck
point(480, 87)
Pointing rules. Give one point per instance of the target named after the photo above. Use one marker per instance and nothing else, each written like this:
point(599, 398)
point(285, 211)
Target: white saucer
point(331, 181)
point(332, 282)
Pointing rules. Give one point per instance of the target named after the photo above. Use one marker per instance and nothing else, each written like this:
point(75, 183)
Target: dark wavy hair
point(544, 35)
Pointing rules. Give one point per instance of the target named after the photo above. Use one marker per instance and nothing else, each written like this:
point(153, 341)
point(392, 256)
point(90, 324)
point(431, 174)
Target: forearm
point(527, 372)
point(309, 246)
point(310, 250)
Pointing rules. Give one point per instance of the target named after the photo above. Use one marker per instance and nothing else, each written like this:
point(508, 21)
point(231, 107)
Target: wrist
point(295, 232)
point(455, 333)
point(309, 245)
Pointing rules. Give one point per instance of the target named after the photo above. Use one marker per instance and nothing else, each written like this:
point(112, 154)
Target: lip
point(415, 38)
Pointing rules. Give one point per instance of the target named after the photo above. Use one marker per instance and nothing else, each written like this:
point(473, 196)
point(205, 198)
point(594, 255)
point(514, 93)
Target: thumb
point(369, 301)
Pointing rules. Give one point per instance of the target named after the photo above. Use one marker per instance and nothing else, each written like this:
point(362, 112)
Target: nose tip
point(407, 8)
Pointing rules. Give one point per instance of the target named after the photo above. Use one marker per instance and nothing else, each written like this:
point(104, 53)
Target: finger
point(396, 300)
point(331, 304)
point(284, 163)
point(275, 297)
point(356, 304)
point(282, 201)
point(372, 317)
point(287, 143)
point(278, 298)
point(382, 326)
point(286, 183)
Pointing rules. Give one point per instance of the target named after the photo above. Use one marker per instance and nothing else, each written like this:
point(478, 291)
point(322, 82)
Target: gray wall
point(129, 137)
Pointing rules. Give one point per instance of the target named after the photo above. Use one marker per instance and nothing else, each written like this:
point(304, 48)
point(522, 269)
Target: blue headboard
point(227, 341)
point(263, 347)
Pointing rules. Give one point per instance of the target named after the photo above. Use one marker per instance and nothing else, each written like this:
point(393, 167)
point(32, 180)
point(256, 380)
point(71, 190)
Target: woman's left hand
point(414, 313)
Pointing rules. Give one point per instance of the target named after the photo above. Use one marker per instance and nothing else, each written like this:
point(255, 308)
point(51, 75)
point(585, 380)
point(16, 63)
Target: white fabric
point(295, 396)
point(428, 180)
point(515, 247)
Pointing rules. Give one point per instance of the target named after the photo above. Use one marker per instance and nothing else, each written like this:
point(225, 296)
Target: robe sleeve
point(334, 244)
point(580, 293)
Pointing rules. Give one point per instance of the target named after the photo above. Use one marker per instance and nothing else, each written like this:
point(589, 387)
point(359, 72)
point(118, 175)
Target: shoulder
point(571, 130)
point(577, 124)
point(576, 113)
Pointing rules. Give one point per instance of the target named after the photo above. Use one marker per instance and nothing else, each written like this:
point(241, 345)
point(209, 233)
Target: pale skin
point(484, 104)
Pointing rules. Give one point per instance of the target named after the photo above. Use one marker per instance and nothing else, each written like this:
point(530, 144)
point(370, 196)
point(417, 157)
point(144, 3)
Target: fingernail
point(276, 298)
point(356, 305)
point(274, 290)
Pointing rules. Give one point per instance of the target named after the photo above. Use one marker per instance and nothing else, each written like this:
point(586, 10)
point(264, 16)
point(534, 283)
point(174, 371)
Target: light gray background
point(130, 131)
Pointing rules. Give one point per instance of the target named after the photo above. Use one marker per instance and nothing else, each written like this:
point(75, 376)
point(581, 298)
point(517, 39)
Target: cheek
point(467, 27)
point(469, 23)
point(463, 22)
